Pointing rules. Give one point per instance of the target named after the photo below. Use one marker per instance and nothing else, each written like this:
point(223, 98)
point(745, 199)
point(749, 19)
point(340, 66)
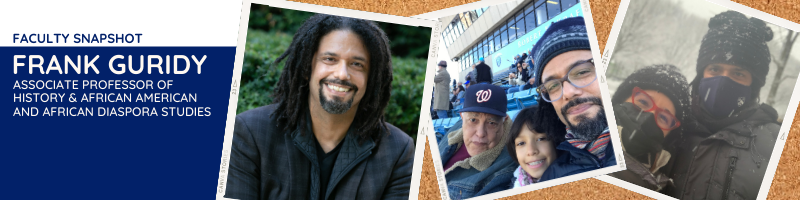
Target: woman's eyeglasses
point(664, 119)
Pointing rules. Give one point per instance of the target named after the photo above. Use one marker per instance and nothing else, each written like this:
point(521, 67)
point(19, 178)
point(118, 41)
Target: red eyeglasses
point(664, 119)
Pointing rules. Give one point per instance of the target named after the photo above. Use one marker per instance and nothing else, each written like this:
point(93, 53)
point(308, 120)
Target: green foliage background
point(270, 33)
point(406, 41)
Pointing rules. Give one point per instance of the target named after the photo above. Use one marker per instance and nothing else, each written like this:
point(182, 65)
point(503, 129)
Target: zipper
point(688, 171)
point(728, 177)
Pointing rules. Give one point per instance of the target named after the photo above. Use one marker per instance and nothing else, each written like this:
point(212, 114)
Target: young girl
point(533, 146)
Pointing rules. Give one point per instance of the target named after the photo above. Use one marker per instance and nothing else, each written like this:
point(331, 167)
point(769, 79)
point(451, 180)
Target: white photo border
point(433, 15)
point(616, 143)
point(239, 61)
point(788, 117)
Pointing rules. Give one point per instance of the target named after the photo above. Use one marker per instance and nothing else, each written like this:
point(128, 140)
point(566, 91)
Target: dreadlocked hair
point(292, 90)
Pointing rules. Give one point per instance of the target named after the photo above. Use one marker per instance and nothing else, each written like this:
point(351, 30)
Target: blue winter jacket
point(574, 161)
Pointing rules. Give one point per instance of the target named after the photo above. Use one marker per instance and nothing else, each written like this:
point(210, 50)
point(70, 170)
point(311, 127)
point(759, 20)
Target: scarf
point(596, 147)
point(521, 178)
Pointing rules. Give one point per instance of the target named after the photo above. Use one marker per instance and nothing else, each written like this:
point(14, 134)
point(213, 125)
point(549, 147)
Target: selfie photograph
point(517, 104)
point(699, 98)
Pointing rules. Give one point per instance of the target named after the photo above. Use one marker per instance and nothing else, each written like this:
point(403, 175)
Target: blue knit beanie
point(563, 36)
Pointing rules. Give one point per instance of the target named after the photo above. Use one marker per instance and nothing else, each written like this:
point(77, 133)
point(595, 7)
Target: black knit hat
point(666, 79)
point(443, 63)
point(734, 39)
point(563, 36)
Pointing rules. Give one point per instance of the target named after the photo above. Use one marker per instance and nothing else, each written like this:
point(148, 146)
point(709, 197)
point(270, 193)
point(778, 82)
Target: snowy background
point(670, 32)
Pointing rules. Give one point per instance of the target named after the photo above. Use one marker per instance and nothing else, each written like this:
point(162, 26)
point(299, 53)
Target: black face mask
point(639, 132)
point(721, 95)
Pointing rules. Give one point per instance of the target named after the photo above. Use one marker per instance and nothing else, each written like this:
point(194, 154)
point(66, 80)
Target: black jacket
point(268, 163)
point(728, 163)
point(483, 73)
point(639, 174)
point(574, 161)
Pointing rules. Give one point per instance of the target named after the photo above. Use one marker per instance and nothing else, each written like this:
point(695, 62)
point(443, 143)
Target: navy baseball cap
point(485, 98)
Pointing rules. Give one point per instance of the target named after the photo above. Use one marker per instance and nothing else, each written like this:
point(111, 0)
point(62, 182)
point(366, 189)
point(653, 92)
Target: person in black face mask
point(649, 107)
point(725, 154)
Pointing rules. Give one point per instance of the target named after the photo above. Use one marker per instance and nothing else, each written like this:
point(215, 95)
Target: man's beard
point(587, 128)
point(336, 105)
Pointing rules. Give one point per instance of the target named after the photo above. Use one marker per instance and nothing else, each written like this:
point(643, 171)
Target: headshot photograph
point(328, 107)
point(518, 106)
point(700, 98)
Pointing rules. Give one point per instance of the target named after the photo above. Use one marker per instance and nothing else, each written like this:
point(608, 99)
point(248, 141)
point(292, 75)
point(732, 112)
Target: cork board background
point(787, 176)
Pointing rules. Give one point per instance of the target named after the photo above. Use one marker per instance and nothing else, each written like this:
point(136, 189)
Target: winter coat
point(266, 162)
point(440, 98)
point(729, 163)
point(640, 174)
point(488, 172)
point(483, 73)
point(574, 161)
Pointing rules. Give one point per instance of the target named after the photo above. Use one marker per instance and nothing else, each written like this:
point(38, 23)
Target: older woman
point(473, 154)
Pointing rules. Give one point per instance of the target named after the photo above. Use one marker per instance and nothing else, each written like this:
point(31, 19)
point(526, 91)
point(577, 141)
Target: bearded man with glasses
point(569, 89)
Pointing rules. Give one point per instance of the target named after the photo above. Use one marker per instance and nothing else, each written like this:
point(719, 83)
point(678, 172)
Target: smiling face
point(534, 151)
point(339, 71)
point(481, 131)
point(736, 73)
point(582, 109)
point(662, 101)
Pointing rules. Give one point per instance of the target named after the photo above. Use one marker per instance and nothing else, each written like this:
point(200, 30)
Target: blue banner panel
point(505, 56)
point(79, 126)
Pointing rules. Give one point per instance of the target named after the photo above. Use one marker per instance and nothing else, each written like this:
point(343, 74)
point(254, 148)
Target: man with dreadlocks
point(325, 138)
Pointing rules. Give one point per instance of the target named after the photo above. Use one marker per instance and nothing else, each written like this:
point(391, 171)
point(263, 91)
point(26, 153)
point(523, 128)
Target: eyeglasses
point(580, 75)
point(645, 103)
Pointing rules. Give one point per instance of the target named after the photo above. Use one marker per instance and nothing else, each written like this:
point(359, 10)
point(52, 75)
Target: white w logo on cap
point(483, 95)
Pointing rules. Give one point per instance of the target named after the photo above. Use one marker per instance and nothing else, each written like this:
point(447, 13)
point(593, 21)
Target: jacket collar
point(582, 156)
point(351, 153)
point(741, 133)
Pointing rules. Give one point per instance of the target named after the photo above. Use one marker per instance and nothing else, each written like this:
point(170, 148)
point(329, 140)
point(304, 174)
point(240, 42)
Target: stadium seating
point(512, 114)
point(450, 123)
point(443, 126)
point(454, 112)
point(526, 98)
point(511, 102)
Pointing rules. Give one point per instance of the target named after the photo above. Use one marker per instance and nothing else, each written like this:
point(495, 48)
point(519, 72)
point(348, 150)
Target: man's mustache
point(578, 101)
point(339, 82)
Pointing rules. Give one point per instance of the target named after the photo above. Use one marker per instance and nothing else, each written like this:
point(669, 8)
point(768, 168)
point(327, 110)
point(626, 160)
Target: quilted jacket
point(268, 163)
point(728, 163)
